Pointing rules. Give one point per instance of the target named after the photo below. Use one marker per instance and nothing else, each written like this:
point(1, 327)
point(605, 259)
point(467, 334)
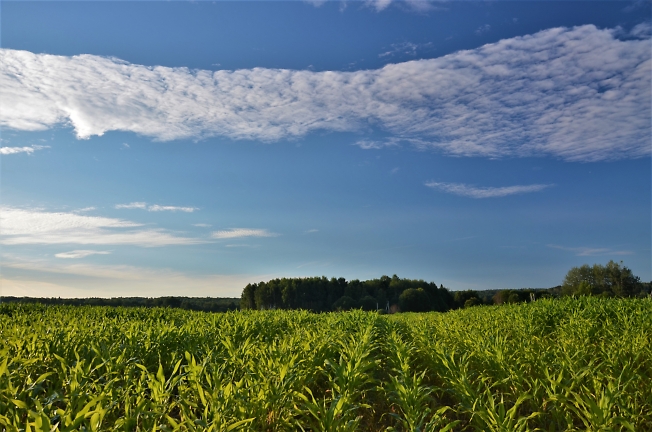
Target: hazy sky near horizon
point(188, 148)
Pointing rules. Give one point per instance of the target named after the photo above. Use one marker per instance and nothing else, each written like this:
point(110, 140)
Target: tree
point(320, 294)
point(577, 276)
point(461, 297)
point(584, 288)
point(368, 303)
point(345, 303)
point(414, 300)
point(610, 279)
point(354, 289)
point(247, 300)
point(621, 281)
point(501, 297)
point(514, 298)
point(473, 301)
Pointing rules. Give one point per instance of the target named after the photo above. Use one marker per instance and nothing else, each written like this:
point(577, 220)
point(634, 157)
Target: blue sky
point(188, 148)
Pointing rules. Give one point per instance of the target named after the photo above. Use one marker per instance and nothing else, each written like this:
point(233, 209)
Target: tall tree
point(612, 279)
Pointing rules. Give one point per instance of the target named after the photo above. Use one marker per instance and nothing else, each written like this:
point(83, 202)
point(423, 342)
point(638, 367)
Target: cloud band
point(485, 192)
point(242, 232)
point(26, 226)
point(15, 150)
point(577, 94)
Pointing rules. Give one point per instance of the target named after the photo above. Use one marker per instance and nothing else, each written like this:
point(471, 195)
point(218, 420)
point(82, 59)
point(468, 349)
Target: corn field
point(552, 365)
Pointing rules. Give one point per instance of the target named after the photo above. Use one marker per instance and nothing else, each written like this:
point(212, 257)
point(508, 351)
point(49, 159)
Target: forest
point(385, 294)
point(393, 294)
point(203, 304)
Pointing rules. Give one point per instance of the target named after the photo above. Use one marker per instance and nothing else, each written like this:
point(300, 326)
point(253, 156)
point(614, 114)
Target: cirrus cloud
point(155, 207)
point(93, 280)
point(242, 232)
point(579, 94)
point(591, 251)
point(485, 192)
point(14, 150)
point(133, 205)
point(158, 208)
point(30, 226)
point(80, 253)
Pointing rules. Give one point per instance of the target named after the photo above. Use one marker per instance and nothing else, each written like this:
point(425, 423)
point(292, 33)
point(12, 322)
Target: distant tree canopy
point(521, 295)
point(467, 298)
point(414, 300)
point(321, 294)
point(612, 279)
point(205, 304)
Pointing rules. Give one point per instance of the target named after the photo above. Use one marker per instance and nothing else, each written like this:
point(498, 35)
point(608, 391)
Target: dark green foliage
point(473, 301)
point(518, 296)
point(369, 303)
point(205, 304)
point(345, 303)
point(462, 297)
point(612, 279)
point(320, 294)
point(414, 300)
point(247, 300)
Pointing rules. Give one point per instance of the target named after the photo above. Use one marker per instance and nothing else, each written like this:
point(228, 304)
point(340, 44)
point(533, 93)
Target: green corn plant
point(496, 417)
point(407, 392)
point(328, 415)
point(566, 364)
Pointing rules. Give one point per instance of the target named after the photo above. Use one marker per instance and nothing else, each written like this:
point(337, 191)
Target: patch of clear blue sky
point(291, 34)
point(372, 211)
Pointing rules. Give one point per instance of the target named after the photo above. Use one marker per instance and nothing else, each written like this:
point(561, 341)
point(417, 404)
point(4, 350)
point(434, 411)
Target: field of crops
point(570, 364)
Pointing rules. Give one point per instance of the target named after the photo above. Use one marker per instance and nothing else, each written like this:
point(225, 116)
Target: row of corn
point(570, 364)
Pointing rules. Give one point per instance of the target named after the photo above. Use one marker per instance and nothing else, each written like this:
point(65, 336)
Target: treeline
point(393, 294)
point(320, 294)
point(206, 304)
point(384, 294)
point(610, 280)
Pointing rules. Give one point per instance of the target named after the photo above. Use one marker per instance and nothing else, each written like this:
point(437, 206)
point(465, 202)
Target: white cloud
point(578, 94)
point(485, 192)
point(315, 3)
point(80, 253)
point(55, 279)
point(124, 272)
point(642, 30)
point(423, 5)
point(242, 232)
point(379, 5)
point(404, 48)
point(367, 144)
point(85, 209)
point(202, 225)
point(20, 226)
point(483, 29)
point(133, 205)
point(591, 251)
point(155, 207)
point(634, 5)
point(14, 150)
